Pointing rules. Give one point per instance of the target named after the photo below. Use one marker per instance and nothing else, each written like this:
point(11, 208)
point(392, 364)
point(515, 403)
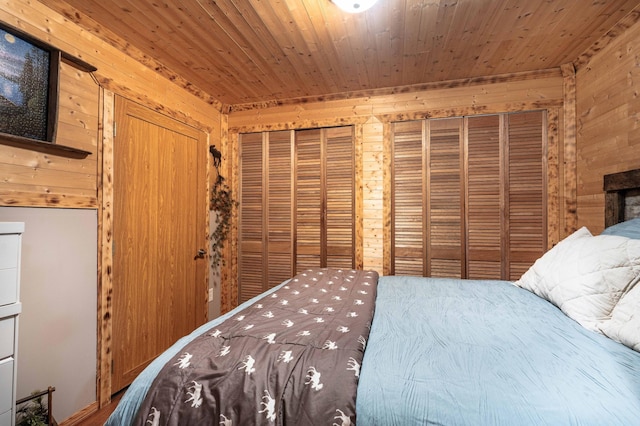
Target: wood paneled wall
point(608, 117)
point(50, 178)
point(46, 178)
point(607, 113)
point(373, 114)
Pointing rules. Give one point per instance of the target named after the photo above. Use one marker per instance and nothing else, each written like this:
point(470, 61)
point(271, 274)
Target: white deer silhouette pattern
point(279, 308)
point(269, 405)
point(184, 360)
point(344, 419)
point(155, 417)
point(313, 379)
point(195, 394)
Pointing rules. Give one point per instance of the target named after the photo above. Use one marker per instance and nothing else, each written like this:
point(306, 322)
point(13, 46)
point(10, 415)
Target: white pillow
point(585, 276)
point(624, 326)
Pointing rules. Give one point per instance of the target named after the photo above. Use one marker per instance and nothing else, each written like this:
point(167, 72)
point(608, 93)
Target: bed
point(559, 346)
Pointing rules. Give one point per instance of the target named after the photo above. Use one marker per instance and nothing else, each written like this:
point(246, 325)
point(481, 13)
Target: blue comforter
point(463, 352)
point(452, 352)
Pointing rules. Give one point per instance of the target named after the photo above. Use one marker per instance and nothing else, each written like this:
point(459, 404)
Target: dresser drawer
point(8, 286)
point(6, 384)
point(6, 336)
point(9, 245)
point(5, 418)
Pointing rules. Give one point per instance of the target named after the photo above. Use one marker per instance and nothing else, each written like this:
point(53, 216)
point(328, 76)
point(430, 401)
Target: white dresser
point(10, 307)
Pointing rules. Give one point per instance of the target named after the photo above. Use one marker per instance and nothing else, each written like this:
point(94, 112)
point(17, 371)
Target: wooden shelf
point(47, 147)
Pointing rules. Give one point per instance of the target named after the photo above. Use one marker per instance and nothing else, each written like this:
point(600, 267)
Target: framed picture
point(28, 86)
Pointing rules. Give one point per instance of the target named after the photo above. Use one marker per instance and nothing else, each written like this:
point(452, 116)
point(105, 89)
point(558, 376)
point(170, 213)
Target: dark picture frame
point(29, 86)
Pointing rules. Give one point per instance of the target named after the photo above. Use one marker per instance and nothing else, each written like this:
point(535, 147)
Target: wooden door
point(428, 208)
point(527, 196)
point(325, 198)
point(407, 197)
point(469, 195)
point(297, 205)
point(445, 199)
point(487, 188)
point(159, 225)
point(251, 258)
point(266, 232)
point(339, 198)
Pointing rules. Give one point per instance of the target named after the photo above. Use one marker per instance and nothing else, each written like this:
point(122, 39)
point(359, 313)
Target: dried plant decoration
point(223, 203)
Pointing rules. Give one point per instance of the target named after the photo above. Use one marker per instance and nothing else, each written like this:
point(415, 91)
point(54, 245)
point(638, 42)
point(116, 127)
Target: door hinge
point(114, 129)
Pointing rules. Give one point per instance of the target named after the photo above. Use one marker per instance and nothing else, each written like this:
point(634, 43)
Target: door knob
point(200, 254)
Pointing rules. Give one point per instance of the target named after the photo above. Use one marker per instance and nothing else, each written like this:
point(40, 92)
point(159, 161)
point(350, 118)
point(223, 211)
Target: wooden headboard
point(622, 196)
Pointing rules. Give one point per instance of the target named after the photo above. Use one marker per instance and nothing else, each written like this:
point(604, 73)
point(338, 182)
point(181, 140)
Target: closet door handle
point(200, 254)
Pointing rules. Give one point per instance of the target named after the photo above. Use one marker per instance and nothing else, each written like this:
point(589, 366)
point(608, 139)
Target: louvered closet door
point(325, 198)
point(251, 256)
point(340, 197)
point(309, 199)
point(280, 242)
point(445, 189)
point(296, 205)
point(527, 191)
point(506, 194)
point(266, 228)
point(427, 198)
point(407, 199)
point(485, 197)
point(469, 195)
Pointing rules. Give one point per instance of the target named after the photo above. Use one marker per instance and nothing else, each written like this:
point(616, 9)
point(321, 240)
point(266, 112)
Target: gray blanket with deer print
point(291, 358)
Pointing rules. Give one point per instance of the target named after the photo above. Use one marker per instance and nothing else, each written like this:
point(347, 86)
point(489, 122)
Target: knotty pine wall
point(57, 184)
point(45, 178)
point(605, 116)
point(608, 117)
point(371, 115)
point(50, 180)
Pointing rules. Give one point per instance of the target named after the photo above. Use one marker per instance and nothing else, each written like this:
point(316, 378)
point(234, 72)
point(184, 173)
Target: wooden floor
point(98, 419)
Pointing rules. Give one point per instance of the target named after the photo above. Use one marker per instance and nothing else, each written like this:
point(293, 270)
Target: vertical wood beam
point(553, 178)
point(204, 163)
point(387, 188)
point(229, 273)
point(358, 140)
point(105, 242)
point(375, 242)
point(570, 151)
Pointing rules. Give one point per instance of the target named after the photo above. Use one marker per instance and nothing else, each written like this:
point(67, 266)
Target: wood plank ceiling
point(244, 52)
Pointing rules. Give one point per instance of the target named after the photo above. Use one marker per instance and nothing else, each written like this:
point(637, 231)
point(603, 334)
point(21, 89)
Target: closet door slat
point(309, 199)
point(484, 197)
point(527, 191)
point(445, 186)
point(407, 193)
point(340, 197)
point(280, 229)
point(250, 258)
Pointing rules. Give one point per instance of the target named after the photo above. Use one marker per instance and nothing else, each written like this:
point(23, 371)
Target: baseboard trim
point(81, 415)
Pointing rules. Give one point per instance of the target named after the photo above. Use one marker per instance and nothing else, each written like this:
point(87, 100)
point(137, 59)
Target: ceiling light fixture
point(354, 6)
